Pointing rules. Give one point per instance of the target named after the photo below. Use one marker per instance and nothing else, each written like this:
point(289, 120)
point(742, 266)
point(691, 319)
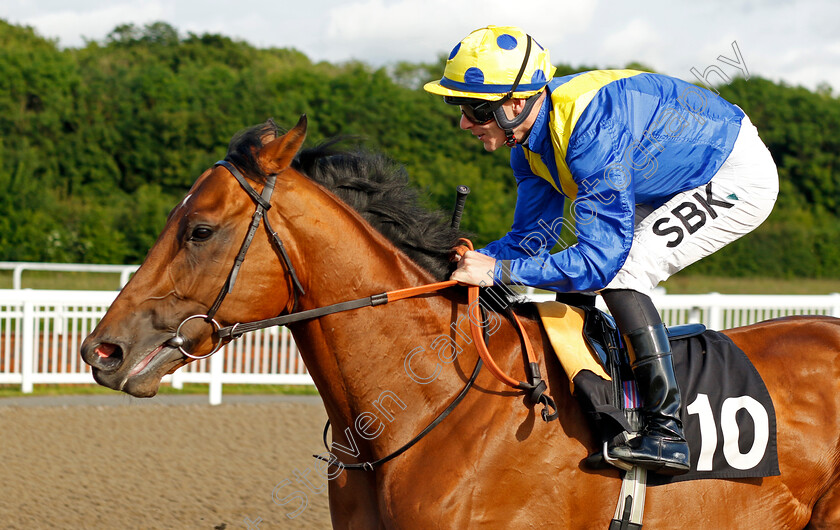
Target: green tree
point(99, 143)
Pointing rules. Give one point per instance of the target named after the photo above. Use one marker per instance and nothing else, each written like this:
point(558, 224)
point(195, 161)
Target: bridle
point(535, 386)
point(263, 202)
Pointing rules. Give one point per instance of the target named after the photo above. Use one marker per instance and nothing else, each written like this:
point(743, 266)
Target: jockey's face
point(490, 134)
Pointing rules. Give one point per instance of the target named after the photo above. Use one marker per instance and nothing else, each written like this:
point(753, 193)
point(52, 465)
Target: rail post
point(27, 352)
point(695, 314)
point(17, 274)
point(715, 311)
point(177, 379)
point(217, 362)
point(124, 276)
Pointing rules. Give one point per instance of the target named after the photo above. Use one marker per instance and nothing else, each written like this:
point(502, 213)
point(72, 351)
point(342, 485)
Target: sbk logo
point(690, 216)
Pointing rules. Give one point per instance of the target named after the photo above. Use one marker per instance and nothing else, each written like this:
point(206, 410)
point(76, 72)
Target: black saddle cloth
point(727, 414)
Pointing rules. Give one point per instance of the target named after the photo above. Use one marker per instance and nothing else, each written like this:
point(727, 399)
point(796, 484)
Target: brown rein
point(237, 330)
point(535, 386)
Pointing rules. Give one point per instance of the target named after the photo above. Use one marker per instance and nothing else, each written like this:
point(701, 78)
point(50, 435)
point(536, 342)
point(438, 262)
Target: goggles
point(477, 111)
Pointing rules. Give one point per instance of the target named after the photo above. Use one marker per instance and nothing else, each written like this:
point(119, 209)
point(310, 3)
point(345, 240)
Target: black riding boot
point(662, 447)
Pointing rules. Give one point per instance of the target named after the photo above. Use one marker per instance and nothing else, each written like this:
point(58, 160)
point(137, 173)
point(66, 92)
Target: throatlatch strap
point(290, 269)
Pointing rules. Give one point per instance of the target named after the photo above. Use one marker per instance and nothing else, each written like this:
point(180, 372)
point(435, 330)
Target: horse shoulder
point(493, 461)
point(353, 501)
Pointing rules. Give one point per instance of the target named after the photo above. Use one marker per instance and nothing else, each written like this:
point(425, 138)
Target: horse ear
point(278, 154)
point(271, 127)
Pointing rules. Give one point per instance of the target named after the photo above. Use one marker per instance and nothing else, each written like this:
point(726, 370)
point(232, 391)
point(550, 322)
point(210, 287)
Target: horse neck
point(341, 256)
point(357, 357)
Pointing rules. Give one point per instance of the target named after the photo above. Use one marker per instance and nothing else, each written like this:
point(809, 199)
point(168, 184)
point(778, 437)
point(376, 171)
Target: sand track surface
point(168, 462)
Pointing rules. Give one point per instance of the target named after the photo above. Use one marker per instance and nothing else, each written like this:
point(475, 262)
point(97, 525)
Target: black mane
point(372, 184)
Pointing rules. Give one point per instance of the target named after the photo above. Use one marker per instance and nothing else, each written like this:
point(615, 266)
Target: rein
point(535, 385)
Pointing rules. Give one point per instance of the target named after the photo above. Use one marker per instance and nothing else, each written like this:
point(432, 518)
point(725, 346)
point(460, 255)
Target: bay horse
point(492, 463)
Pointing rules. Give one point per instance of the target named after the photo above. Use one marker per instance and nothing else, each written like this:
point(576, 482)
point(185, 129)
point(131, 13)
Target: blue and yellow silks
point(607, 140)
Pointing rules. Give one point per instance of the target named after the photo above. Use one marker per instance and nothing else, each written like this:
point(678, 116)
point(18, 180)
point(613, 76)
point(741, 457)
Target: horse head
point(167, 316)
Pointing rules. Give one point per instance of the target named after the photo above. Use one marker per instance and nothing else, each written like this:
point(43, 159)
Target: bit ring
point(178, 339)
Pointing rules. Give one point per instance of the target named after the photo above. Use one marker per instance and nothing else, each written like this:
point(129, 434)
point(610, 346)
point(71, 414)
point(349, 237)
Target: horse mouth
point(142, 364)
point(143, 378)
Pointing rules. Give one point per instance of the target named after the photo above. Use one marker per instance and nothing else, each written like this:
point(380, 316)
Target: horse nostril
point(108, 356)
point(105, 349)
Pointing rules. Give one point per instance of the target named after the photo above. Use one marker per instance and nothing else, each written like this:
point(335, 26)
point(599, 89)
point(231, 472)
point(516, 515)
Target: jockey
point(659, 174)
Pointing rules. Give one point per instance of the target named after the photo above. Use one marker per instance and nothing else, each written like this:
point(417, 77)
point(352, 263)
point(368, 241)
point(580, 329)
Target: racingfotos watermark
point(446, 347)
point(639, 158)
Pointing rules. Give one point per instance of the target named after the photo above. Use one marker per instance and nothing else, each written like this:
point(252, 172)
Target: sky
point(794, 41)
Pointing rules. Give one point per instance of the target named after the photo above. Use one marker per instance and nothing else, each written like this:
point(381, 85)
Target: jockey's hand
point(474, 268)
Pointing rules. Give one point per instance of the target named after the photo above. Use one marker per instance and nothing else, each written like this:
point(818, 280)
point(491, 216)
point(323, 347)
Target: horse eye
point(200, 233)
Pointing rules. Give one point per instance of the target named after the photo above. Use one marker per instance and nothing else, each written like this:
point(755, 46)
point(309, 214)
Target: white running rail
point(17, 268)
point(41, 332)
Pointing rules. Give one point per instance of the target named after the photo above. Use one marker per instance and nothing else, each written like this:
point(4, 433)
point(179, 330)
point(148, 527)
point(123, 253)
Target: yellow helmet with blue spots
point(486, 65)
